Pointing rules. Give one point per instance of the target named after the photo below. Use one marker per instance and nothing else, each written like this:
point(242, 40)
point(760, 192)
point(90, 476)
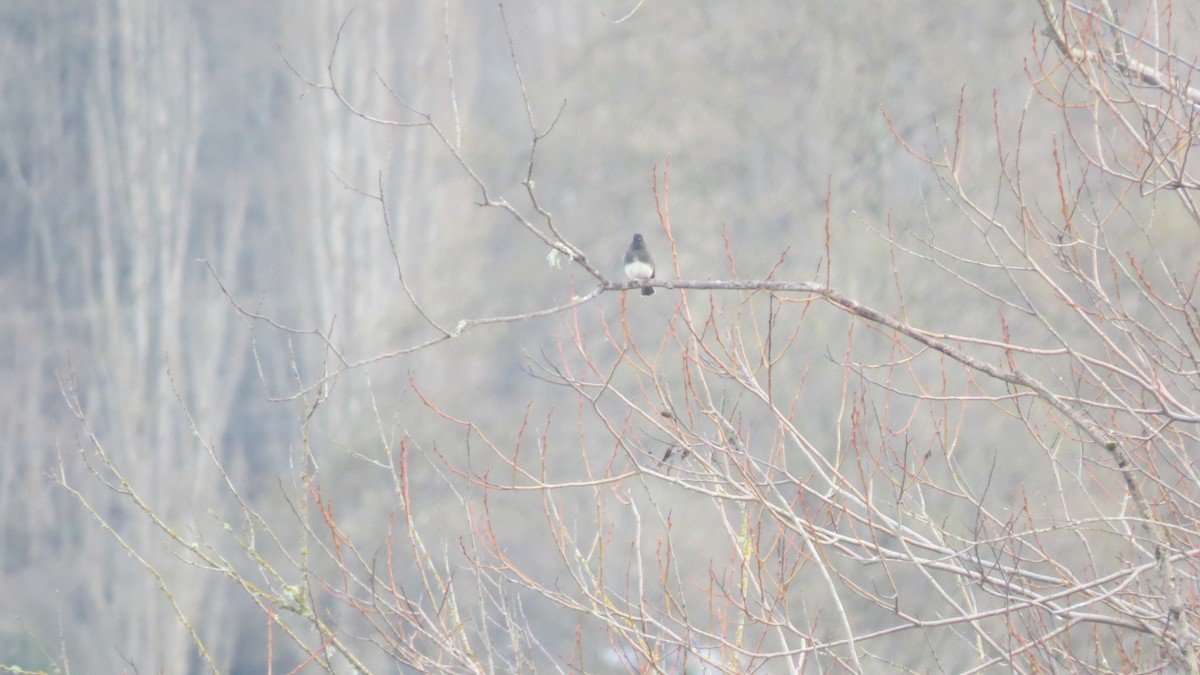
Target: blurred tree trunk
point(126, 275)
point(142, 132)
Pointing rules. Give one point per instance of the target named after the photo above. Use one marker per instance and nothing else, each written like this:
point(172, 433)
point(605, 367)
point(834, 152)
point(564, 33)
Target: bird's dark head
point(637, 239)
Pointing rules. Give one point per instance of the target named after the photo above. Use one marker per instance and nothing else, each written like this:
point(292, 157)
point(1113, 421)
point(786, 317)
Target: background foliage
point(246, 429)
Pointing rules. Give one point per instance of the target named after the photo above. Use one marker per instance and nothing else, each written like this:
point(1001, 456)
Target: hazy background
point(139, 139)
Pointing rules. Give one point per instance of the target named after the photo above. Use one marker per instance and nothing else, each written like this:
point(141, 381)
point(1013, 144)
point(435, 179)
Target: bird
point(639, 266)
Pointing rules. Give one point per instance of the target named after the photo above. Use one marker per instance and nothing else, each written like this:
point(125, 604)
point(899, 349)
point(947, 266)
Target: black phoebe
point(638, 263)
